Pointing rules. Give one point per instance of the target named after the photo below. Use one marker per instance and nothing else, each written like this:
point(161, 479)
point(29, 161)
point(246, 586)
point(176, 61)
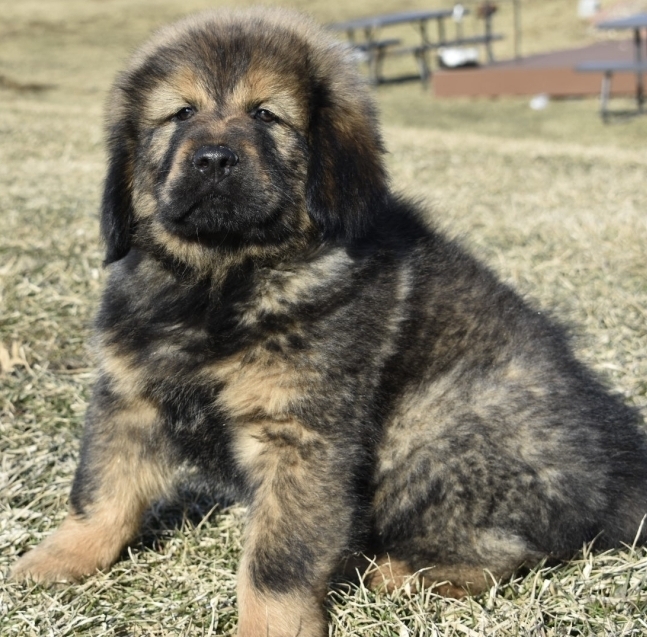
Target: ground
point(553, 200)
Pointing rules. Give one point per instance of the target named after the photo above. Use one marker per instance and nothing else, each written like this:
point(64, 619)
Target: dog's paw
point(278, 615)
point(74, 551)
point(47, 564)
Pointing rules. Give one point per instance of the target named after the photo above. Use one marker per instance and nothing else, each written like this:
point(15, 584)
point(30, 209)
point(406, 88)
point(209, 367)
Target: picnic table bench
point(638, 65)
point(608, 69)
point(376, 49)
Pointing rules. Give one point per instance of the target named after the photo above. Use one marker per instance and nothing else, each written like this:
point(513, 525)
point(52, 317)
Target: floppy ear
point(346, 182)
point(117, 216)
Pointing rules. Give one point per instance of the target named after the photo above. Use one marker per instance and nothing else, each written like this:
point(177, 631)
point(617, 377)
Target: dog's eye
point(265, 116)
point(184, 113)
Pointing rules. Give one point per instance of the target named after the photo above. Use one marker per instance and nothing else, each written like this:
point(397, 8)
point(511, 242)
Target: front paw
point(44, 566)
point(75, 550)
point(278, 615)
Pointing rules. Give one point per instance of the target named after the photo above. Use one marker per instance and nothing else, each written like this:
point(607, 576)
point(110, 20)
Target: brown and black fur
point(276, 317)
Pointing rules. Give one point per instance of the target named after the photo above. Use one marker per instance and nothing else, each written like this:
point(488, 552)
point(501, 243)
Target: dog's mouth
point(214, 218)
point(188, 209)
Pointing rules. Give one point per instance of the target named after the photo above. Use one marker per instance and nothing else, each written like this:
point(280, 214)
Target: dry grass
point(554, 201)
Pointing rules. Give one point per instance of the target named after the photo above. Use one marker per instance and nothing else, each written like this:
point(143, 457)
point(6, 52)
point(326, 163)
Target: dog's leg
point(298, 527)
point(388, 574)
point(122, 469)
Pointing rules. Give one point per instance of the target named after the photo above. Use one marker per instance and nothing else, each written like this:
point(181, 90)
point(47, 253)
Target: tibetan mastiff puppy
point(277, 318)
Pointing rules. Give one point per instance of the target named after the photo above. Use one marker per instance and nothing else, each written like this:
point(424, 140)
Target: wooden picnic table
point(372, 24)
point(636, 23)
point(376, 48)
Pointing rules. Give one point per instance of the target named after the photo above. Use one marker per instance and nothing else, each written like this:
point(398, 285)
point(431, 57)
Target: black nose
point(214, 161)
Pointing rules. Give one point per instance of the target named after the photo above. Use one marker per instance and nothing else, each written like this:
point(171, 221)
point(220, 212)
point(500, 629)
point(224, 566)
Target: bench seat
point(608, 68)
point(477, 39)
point(612, 67)
point(421, 50)
point(379, 44)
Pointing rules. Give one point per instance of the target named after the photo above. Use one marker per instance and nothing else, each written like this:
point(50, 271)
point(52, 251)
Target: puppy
point(277, 318)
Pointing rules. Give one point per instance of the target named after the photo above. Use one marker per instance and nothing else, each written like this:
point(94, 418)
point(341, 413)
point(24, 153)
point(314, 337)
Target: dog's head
point(240, 129)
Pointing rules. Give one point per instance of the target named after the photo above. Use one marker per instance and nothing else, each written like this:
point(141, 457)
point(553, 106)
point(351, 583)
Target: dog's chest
point(240, 354)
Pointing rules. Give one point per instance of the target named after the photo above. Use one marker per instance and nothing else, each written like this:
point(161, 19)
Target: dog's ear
point(117, 216)
point(346, 182)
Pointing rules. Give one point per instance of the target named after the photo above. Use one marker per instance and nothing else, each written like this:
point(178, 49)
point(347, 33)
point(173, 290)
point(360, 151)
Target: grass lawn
point(554, 200)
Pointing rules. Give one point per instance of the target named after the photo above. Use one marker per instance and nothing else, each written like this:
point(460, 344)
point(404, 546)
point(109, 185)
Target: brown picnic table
point(638, 65)
point(377, 49)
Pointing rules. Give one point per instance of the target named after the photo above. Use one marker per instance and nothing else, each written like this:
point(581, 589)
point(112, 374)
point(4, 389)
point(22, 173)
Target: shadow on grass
point(192, 505)
point(620, 116)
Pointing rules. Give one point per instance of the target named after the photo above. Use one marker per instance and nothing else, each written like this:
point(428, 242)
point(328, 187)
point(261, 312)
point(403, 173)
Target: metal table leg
point(604, 95)
point(640, 93)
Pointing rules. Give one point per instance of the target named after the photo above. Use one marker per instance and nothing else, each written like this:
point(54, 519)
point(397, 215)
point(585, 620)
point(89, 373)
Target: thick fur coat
point(277, 318)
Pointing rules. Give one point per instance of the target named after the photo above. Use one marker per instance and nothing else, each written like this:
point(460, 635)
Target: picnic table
point(376, 49)
point(638, 65)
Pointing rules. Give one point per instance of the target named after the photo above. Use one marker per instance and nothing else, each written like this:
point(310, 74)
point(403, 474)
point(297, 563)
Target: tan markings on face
point(181, 160)
point(286, 147)
point(160, 144)
point(183, 88)
point(264, 89)
point(260, 88)
point(144, 203)
point(219, 131)
point(249, 149)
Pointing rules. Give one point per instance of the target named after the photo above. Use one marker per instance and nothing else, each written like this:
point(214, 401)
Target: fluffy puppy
point(275, 317)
